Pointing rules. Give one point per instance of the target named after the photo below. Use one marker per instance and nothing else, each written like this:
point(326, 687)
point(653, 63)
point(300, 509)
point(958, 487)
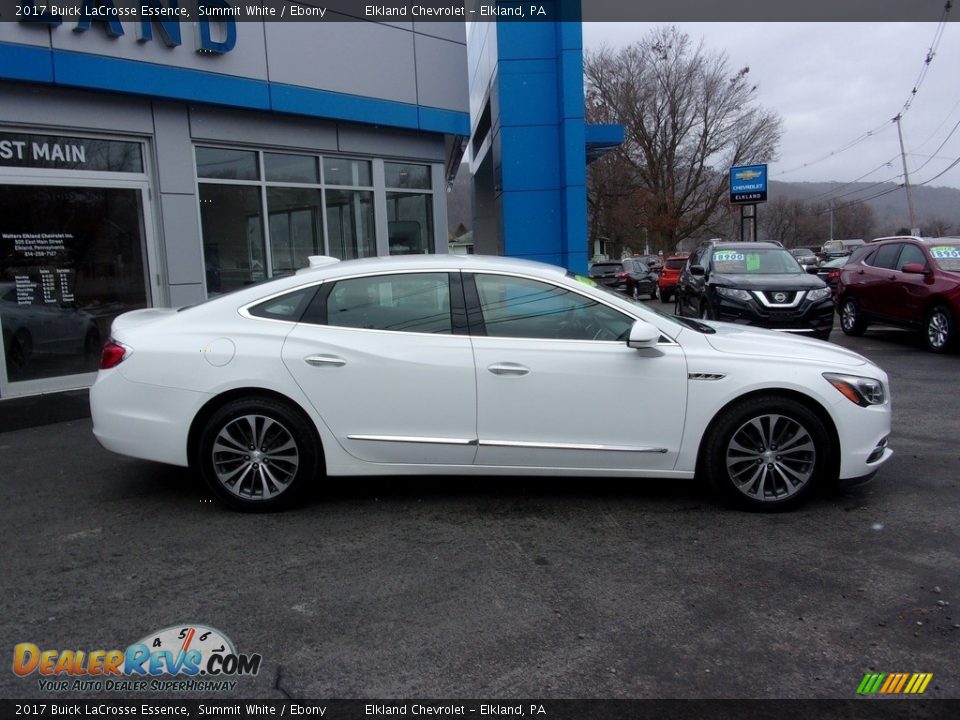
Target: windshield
point(947, 257)
point(755, 261)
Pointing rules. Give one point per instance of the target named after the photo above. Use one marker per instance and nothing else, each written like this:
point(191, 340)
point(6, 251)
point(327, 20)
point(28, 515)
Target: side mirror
point(914, 269)
point(643, 335)
point(698, 270)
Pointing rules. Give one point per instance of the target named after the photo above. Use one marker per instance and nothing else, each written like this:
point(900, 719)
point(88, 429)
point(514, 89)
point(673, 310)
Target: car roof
point(945, 239)
point(737, 245)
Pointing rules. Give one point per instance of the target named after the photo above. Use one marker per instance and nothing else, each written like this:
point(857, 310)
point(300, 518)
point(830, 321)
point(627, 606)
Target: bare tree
point(687, 120)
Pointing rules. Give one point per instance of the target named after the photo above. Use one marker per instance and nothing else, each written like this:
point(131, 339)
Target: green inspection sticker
point(585, 280)
point(753, 262)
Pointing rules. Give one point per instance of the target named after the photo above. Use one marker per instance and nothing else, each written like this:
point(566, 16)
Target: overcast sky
point(833, 82)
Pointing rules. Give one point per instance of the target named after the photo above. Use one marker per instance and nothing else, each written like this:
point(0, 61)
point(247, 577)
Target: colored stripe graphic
point(894, 683)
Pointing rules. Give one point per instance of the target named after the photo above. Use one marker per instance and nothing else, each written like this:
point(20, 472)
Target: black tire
point(706, 312)
point(939, 331)
point(852, 321)
point(750, 473)
point(664, 296)
point(279, 471)
point(823, 334)
point(678, 306)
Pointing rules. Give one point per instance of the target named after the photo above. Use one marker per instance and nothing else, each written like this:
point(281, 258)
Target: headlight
point(860, 390)
point(819, 294)
point(734, 293)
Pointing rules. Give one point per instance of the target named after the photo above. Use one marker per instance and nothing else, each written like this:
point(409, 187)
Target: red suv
point(907, 281)
point(669, 274)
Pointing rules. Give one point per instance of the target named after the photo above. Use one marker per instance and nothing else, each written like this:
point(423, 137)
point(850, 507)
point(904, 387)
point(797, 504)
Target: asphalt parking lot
point(500, 588)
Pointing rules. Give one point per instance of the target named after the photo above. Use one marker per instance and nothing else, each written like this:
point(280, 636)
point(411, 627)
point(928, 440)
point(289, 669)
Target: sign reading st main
point(219, 20)
point(748, 184)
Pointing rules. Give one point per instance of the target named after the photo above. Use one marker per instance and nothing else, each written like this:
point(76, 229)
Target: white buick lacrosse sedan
point(462, 365)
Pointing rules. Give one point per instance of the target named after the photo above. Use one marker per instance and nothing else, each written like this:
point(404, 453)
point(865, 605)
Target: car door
point(388, 368)
point(557, 385)
point(911, 290)
point(691, 287)
point(871, 281)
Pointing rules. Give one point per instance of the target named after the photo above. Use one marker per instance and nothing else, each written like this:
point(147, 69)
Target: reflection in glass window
point(286, 307)
point(350, 222)
point(296, 232)
point(406, 175)
point(227, 164)
point(911, 254)
point(280, 167)
point(416, 302)
point(233, 246)
point(517, 307)
point(343, 171)
point(73, 260)
point(410, 223)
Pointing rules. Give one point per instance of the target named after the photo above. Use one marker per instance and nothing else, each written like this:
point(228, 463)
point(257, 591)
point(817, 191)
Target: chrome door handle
point(325, 360)
point(508, 369)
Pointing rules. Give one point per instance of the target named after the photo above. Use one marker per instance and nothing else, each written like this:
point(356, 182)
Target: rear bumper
point(143, 421)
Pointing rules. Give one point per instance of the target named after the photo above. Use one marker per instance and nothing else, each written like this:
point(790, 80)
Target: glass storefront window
point(291, 168)
point(227, 164)
point(410, 223)
point(232, 226)
point(296, 231)
point(344, 171)
point(406, 175)
point(71, 260)
point(350, 222)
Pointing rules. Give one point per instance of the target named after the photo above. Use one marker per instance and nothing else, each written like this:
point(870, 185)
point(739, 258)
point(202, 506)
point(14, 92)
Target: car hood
point(804, 281)
point(744, 340)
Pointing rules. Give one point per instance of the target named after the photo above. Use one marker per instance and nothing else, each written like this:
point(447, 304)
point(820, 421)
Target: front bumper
point(815, 317)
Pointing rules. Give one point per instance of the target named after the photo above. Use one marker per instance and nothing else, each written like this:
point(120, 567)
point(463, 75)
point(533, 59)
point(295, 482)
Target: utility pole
point(906, 179)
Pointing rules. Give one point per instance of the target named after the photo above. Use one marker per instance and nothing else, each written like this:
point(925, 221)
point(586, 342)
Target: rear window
point(606, 268)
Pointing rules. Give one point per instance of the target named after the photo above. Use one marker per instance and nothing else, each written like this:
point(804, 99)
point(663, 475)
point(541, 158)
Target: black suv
point(754, 284)
point(632, 276)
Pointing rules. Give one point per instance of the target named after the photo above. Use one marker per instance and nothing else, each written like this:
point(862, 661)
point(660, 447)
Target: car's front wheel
point(767, 453)
point(939, 329)
point(664, 295)
point(851, 319)
point(258, 454)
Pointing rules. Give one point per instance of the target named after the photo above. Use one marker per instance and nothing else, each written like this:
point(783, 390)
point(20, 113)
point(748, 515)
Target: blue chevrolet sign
point(748, 184)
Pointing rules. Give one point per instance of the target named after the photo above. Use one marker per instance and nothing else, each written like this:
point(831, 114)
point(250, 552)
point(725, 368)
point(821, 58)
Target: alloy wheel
point(770, 457)
point(255, 457)
point(848, 315)
point(938, 329)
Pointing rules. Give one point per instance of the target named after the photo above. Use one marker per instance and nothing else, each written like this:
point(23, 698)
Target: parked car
point(911, 282)
point(754, 284)
point(807, 258)
point(667, 281)
point(654, 262)
point(829, 271)
point(470, 365)
point(631, 276)
point(833, 249)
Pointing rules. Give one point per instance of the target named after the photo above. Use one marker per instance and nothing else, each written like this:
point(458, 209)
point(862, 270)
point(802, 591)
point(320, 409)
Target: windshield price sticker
point(586, 281)
point(945, 251)
point(727, 256)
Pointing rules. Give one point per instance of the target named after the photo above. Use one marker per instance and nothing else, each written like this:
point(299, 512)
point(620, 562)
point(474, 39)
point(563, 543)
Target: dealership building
point(156, 163)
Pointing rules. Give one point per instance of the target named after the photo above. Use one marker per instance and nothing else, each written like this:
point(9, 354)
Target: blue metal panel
point(25, 62)
point(321, 103)
point(533, 221)
point(98, 72)
point(522, 41)
point(527, 98)
point(530, 157)
point(445, 121)
point(106, 73)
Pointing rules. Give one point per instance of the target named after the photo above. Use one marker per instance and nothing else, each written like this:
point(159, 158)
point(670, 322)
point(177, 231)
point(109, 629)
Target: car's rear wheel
point(767, 453)
point(664, 295)
point(258, 454)
point(851, 319)
point(939, 329)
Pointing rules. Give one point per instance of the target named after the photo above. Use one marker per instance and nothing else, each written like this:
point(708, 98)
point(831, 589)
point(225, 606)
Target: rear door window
point(886, 257)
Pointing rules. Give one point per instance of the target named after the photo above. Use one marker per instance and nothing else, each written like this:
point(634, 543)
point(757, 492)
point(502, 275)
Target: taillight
point(113, 354)
point(622, 276)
